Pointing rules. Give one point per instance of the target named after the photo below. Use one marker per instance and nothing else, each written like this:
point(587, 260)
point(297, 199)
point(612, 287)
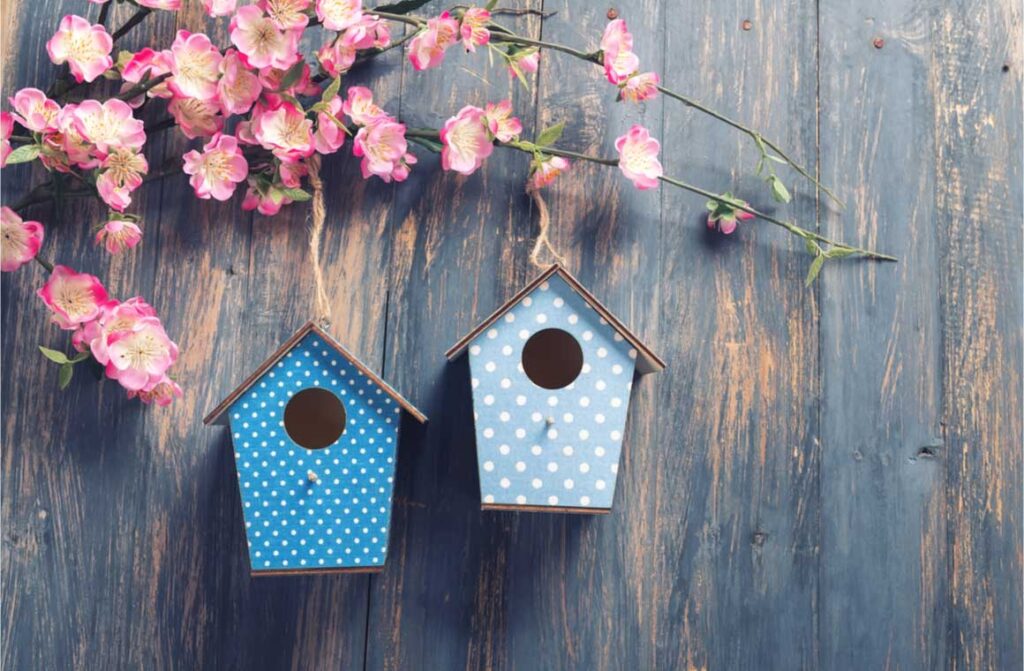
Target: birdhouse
point(315, 434)
point(551, 374)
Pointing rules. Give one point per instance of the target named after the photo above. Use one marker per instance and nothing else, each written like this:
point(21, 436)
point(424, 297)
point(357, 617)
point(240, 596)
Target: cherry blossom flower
point(217, 8)
point(617, 46)
point(140, 354)
point(329, 136)
point(286, 14)
point(83, 46)
point(19, 240)
point(371, 32)
point(640, 87)
point(291, 174)
point(426, 50)
point(6, 128)
point(262, 43)
point(67, 147)
point(109, 124)
point(384, 150)
point(527, 61)
point(474, 28)
point(724, 214)
point(638, 157)
point(265, 199)
point(146, 63)
point(113, 316)
point(339, 14)
point(546, 172)
point(359, 107)
point(195, 64)
point(238, 88)
point(162, 393)
point(122, 172)
point(284, 130)
point(118, 235)
point(503, 126)
point(196, 118)
point(271, 79)
point(73, 297)
point(218, 169)
point(466, 141)
point(337, 57)
point(35, 111)
point(169, 5)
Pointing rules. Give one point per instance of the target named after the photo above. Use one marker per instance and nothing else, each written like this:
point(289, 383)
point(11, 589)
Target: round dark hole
point(552, 359)
point(314, 418)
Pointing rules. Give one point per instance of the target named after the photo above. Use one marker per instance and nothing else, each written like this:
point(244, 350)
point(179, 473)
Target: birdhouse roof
point(647, 360)
point(216, 416)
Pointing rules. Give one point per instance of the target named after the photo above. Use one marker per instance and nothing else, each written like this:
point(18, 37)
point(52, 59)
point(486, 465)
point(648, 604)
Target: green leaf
point(64, 375)
point(816, 265)
point(550, 135)
point(519, 74)
point(298, 195)
point(331, 90)
point(491, 4)
point(24, 154)
point(779, 191)
point(812, 247)
point(81, 356)
point(840, 252)
point(291, 76)
point(427, 143)
point(53, 355)
point(403, 7)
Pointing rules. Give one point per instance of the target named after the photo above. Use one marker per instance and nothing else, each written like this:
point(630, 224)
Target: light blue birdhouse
point(551, 374)
point(315, 435)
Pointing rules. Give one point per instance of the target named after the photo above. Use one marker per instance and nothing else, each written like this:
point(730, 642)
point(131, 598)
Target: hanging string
point(316, 229)
point(543, 241)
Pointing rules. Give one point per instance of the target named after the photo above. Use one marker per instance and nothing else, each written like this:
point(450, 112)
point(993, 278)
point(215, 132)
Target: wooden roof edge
point(648, 361)
point(215, 415)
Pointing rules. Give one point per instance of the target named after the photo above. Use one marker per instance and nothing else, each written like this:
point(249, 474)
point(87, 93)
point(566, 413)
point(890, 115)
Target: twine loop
point(316, 228)
point(543, 241)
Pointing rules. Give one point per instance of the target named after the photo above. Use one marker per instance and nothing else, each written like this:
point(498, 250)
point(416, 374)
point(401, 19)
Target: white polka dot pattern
point(546, 447)
point(342, 520)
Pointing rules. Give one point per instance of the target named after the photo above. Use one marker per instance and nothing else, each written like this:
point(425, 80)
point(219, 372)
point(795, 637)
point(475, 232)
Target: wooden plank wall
point(824, 478)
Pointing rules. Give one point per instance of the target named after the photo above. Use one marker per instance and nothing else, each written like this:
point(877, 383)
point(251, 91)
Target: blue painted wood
point(550, 447)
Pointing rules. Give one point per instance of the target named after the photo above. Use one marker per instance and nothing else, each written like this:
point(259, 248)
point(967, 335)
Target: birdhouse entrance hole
point(314, 418)
point(552, 358)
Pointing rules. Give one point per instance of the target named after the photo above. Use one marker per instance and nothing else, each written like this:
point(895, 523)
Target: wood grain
point(826, 478)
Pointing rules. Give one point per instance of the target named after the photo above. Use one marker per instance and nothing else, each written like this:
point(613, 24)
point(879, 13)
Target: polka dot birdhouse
point(551, 374)
point(315, 436)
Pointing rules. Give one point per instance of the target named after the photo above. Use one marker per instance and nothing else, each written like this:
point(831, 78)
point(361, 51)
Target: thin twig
point(142, 87)
point(137, 18)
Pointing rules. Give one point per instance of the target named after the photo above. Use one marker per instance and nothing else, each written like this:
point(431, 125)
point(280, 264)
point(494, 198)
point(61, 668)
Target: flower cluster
point(126, 338)
point(622, 65)
point(468, 137)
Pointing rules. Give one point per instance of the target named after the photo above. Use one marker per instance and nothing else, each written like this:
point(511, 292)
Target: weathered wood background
point(824, 478)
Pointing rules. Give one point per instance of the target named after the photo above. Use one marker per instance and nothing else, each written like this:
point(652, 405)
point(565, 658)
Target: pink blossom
point(339, 14)
point(238, 88)
point(336, 57)
point(725, 215)
point(6, 128)
point(359, 107)
point(196, 118)
point(617, 46)
point(503, 126)
point(371, 32)
point(67, 147)
point(218, 169)
point(266, 199)
point(329, 136)
point(146, 62)
point(195, 64)
point(528, 62)
point(118, 235)
point(113, 316)
point(169, 5)
point(162, 393)
point(291, 174)
point(271, 78)
point(122, 172)
point(427, 49)
point(19, 240)
point(216, 8)
point(546, 173)
point(284, 130)
point(641, 87)
point(140, 354)
point(262, 43)
point(35, 111)
point(109, 124)
point(286, 14)
point(638, 157)
point(73, 297)
point(466, 141)
point(83, 46)
point(383, 147)
point(474, 28)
